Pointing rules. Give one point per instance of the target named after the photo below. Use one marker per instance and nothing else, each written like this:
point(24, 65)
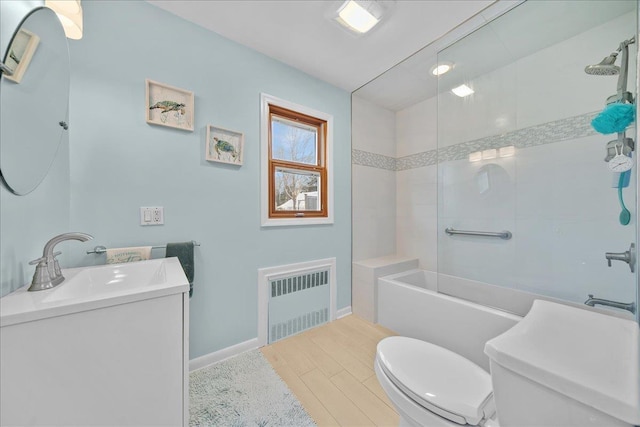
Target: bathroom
point(111, 163)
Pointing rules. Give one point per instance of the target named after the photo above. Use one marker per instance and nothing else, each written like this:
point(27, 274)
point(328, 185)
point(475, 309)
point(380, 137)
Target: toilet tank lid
point(438, 379)
point(590, 357)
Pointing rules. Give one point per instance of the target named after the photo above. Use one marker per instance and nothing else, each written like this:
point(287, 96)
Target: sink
point(108, 279)
point(88, 288)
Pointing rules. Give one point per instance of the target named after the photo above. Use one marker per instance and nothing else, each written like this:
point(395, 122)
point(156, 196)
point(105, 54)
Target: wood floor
point(330, 370)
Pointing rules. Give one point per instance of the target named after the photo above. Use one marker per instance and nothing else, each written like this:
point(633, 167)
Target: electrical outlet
point(158, 216)
point(152, 215)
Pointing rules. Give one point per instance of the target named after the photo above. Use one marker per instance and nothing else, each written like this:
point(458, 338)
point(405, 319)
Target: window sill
point(281, 222)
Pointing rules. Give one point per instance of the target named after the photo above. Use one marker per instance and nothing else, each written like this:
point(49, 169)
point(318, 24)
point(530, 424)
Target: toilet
point(559, 366)
point(432, 386)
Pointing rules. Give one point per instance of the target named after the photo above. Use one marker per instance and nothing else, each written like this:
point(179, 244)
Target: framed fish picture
point(224, 146)
point(169, 106)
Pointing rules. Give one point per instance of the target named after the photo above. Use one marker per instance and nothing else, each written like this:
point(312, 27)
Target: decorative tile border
point(546, 133)
point(365, 158)
point(417, 160)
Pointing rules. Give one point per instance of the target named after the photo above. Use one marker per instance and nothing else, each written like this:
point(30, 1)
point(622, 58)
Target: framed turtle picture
point(224, 146)
point(169, 106)
point(22, 48)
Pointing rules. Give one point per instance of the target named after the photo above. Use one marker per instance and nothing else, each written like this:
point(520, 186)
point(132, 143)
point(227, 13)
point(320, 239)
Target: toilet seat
point(437, 379)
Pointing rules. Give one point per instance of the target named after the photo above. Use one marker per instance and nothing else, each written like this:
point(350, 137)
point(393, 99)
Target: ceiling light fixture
point(462, 91)
point(441, 68)
point(359, 16)
point(70, 14)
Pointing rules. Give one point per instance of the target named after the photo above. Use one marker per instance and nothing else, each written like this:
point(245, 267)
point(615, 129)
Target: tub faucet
point(631, 306)
point(48, 273)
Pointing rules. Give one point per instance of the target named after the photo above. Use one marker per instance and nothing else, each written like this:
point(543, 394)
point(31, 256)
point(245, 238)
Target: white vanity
point(108, 346)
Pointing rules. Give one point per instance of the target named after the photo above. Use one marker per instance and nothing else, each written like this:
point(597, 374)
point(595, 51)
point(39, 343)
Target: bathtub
point(409, 303)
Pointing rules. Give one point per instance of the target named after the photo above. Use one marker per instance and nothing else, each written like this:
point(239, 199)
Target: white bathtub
point(409, 304)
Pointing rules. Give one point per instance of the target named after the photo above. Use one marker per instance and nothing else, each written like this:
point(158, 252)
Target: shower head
point(606, 67)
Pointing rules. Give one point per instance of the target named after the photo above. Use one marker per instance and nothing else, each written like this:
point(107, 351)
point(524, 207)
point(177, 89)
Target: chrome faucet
point(631, 306)
point(48, 273)
point(627, 256)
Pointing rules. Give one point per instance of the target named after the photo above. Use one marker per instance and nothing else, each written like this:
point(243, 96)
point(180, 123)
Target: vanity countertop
point(90, 288)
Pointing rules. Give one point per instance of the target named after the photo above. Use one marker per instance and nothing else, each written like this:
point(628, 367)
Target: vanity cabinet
point(111, 361)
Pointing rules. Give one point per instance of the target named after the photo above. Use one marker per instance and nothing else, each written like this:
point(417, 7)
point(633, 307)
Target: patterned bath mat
point(243, 391)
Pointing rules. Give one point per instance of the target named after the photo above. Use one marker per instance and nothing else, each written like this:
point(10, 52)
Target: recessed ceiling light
point(462, 91)
point(358, 16)
point(441, 68)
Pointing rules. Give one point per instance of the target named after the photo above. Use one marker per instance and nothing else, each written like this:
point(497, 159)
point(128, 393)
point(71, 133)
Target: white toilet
point(560, 366)
point(433, 386)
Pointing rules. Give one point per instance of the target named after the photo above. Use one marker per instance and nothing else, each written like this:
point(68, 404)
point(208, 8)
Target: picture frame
point(169, 106)
point(23, 46)
point(224, 146)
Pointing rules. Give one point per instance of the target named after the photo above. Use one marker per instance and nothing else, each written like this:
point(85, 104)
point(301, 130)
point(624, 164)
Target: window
point(296, 150)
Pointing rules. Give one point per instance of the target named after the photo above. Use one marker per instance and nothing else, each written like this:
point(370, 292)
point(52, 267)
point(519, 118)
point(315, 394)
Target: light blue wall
point(119, 163)
point(28, 222)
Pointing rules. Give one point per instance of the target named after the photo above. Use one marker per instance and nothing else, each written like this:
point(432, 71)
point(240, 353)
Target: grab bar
point(506, 235)
point(101, 249)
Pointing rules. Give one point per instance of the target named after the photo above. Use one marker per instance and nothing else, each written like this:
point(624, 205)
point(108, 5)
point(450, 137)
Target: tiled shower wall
point(416, 183)
point(556, 194)
point(373, 180)
point(395, 182)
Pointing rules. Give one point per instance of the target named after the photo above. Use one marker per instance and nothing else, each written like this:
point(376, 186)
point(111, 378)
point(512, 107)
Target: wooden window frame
point(319, 167)
point(272, 106)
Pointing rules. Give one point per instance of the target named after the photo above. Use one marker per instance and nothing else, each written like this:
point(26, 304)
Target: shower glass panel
point(519, 154)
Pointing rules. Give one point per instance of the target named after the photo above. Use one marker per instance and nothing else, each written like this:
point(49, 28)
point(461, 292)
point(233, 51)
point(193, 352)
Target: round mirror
point(34, 100)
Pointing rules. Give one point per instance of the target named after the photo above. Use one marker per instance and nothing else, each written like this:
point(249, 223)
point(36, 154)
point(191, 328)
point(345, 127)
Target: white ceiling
point(302, 34)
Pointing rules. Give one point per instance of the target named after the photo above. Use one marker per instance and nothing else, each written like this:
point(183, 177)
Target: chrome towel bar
point(506, 235)
point(102, 249)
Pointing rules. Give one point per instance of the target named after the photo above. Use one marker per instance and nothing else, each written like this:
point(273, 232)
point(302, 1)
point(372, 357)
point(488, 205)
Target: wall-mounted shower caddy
point(607, 67)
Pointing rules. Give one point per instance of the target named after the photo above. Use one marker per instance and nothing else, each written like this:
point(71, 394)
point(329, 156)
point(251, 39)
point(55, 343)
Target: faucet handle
point(57, 272)
point(37, 261)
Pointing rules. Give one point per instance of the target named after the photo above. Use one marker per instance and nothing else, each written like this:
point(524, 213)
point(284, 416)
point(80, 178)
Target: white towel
point(120, 255)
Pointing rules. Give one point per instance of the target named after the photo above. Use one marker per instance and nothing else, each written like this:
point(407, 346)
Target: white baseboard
point(220, 355)
point(343, 312)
